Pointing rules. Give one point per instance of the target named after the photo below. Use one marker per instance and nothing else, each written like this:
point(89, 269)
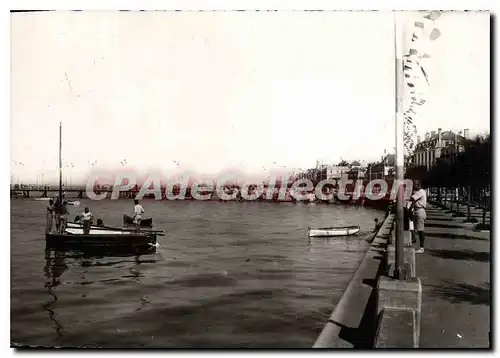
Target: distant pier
point(79, 192)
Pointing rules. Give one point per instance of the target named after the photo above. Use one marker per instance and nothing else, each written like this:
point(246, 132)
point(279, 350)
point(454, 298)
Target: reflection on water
point(53, 269)
point(228, 275)
point(55, 266)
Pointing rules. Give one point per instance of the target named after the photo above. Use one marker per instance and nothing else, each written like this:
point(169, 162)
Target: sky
point(227, 90)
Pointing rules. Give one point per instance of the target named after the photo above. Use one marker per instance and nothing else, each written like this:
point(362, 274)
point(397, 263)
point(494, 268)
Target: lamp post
point(399, 138)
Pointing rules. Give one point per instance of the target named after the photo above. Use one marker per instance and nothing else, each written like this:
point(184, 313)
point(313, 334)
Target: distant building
point(355, 165)
point(385, 169)
point(436, 145)
point(354, 170)
point(335, 171)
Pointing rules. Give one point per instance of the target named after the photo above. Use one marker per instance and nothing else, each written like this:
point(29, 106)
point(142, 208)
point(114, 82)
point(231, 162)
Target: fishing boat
point(103, 236)
point(77, 228)
point(98, 236)
point(74, 237)
point(333, 231)
point(129, 221)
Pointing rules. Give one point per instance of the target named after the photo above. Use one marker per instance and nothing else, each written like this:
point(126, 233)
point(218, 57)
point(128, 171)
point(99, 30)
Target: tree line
point(460, 179)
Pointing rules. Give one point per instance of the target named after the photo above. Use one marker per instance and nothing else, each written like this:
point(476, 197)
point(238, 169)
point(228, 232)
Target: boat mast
point(60, 163)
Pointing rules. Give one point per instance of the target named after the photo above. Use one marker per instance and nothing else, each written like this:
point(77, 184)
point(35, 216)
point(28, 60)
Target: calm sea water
point(226, 275)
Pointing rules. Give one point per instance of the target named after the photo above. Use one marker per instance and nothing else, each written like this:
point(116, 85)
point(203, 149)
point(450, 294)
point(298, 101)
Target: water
point(226, 275)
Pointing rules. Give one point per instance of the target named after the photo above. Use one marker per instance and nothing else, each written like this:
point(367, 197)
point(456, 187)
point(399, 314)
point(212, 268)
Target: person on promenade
point(87, 221)
point(411, 225)
point(419, 203)
point(138, 211)
point(49, 216)
point(390, 208)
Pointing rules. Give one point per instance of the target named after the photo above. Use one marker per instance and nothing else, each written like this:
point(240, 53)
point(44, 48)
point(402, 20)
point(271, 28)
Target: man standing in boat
point(87, 221)
point(63, 221)
point(138, 211)
point(57, 214)
point(49, 216)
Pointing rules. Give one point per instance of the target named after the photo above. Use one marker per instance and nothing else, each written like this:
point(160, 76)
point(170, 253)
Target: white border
point(254, 4)
point(170, 5)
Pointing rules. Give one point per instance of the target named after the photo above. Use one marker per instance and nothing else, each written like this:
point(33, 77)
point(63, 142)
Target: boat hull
point(99, 237)
point(129, 221)
point(333, 231)
point(101, 240)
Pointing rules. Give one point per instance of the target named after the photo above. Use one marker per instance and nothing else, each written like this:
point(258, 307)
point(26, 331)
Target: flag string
point(413, 66)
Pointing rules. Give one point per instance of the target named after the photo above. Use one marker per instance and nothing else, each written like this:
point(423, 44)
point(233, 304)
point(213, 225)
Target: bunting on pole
point(424, 31)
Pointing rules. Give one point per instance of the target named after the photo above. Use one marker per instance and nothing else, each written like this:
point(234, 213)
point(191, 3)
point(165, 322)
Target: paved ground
point(455, 275)
point(476, 213)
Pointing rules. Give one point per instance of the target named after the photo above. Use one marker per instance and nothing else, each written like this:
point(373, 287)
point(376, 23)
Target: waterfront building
point(436, 145)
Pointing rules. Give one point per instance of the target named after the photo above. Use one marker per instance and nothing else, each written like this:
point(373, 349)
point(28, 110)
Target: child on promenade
point(419, 204)
point(411, 228)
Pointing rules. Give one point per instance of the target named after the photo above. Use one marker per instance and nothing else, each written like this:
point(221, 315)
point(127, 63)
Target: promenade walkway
point(455, 275)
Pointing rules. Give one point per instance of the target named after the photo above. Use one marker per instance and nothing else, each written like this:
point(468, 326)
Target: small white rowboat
point(333, 231)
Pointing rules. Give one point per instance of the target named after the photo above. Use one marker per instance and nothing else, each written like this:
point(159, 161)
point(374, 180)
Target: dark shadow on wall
point(462, 292)
point(468, 255)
